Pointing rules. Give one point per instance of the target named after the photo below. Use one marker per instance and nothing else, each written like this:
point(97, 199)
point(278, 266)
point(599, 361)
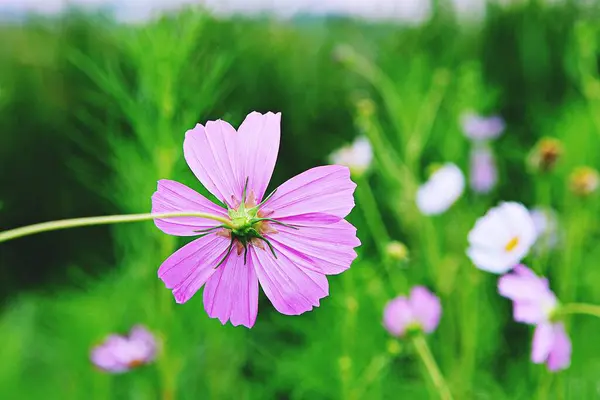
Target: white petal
point(490, 238)
point(442, 190)
point(497, 263)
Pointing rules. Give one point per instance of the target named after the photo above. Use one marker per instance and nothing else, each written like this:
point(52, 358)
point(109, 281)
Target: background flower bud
point(584, 181)
point(545, 155)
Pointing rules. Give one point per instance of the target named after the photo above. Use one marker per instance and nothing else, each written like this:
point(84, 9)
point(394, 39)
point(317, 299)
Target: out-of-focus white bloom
point(546, 228)
point(442, 190)
point(357, 156)
point(501, 238)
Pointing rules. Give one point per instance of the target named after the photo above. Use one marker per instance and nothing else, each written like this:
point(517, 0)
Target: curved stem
point(104, 220)
point(432, 368)
point(581, 308)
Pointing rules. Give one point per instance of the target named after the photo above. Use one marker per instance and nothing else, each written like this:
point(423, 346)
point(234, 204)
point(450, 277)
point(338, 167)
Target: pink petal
point(560, 354)
point(524, 271)
point(543, 339)
point(186, 270)
point(105, 356)
point(528, 313)
point(231, 294)
point(523, 284)
point(292, 289)
point(484, 172)
point(426, 308)
point(171, 196)
point(258, 139)
point(144, 342)
point(211, 153)
point(139, 333)
point(326, 190)
point(310, 219)
point(397, 315)
point(326, 249)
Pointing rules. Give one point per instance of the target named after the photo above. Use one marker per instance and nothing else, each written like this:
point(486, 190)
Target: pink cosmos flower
point(121, 353)
point(420, 310)
point(484, 174)
point(287, 241)
point(534, 303)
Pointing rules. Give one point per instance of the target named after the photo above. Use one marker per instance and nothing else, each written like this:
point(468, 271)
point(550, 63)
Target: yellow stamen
point(510, 246)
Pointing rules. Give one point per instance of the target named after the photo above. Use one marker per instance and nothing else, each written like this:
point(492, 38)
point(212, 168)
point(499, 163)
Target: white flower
point(357, 156)
point(442, 189)
point(501, 238)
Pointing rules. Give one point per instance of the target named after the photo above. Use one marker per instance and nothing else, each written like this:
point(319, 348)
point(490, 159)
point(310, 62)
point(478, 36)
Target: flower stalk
point(432, 368)
point(102, 220)
point(580, 308)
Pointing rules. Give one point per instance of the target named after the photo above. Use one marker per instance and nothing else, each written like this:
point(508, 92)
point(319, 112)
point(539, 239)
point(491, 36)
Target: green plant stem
point(581, 308)
point(431, 366)
point(372, 215)
point(371, 373)
point(379, 232)
point(103, 220)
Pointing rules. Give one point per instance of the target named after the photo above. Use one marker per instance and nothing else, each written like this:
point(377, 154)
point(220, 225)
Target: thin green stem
point(431, 366)
point(371, 373)
point(580, 308)
point(372, 215)
point(103, 220)
point(379, 233)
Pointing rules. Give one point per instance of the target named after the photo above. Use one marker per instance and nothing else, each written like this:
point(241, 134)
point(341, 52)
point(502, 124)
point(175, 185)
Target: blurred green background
point(93, 113)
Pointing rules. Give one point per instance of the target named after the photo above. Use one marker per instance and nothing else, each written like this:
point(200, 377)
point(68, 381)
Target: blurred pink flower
point(288, 241)
point(476, 127)
point(121, 353)
point(421, 310)
point(484, 174)
point(551, 345)
point(534, 303)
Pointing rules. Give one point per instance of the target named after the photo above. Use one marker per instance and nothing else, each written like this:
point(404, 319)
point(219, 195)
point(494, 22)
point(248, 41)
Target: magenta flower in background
point(484, 174)
point(288, 241)
point(420, 310)
point(121, 353)
point(476, 127)
point(534, 303)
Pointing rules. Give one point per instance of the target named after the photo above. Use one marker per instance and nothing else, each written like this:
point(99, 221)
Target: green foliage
point(94, 113)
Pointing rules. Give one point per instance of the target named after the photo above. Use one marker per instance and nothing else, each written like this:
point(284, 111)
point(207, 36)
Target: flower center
point(135, 363)
point(512, 244)
point(243, 219)
point(249, 225)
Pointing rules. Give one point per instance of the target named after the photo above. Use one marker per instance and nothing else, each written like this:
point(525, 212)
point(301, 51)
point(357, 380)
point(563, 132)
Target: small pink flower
point(484, 174)
point(421, 310)
point(121, 353)
point(479, 128)
point(534, 303)
point(287, 241)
